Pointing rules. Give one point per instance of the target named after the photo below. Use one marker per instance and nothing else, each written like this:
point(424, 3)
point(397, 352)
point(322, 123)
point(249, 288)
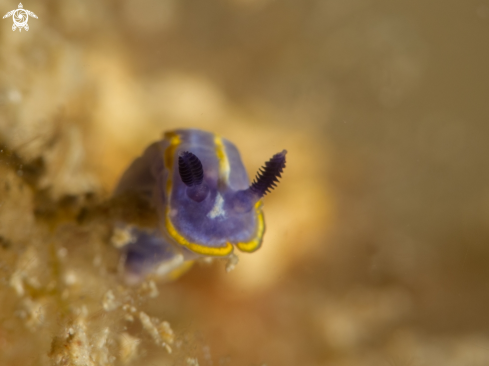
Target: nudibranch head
point(206, 202)
point(197, 201)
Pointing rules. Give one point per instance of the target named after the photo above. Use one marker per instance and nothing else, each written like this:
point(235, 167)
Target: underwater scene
point(244, 183)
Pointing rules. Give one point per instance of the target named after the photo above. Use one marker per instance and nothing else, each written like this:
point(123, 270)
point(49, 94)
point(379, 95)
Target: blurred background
point(376, 251)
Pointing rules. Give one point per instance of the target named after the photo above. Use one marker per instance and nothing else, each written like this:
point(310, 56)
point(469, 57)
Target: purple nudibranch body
point(206, 206)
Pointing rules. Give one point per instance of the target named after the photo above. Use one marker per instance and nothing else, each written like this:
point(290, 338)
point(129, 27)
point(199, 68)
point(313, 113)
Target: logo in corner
point(20, 16)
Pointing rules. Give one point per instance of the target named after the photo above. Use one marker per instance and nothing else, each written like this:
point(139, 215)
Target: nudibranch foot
point(149, 253)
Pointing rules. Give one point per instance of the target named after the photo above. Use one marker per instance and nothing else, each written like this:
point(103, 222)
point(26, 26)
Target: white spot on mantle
point(217, 210)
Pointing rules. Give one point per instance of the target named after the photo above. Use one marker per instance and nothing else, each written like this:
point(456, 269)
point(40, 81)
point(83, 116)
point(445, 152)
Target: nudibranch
point(205, 204)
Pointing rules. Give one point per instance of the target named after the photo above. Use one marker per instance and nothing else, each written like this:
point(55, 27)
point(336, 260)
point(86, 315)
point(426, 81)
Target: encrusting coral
point(61, 286)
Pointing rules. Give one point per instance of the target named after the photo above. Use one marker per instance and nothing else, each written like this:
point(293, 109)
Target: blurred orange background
point(376, 250)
